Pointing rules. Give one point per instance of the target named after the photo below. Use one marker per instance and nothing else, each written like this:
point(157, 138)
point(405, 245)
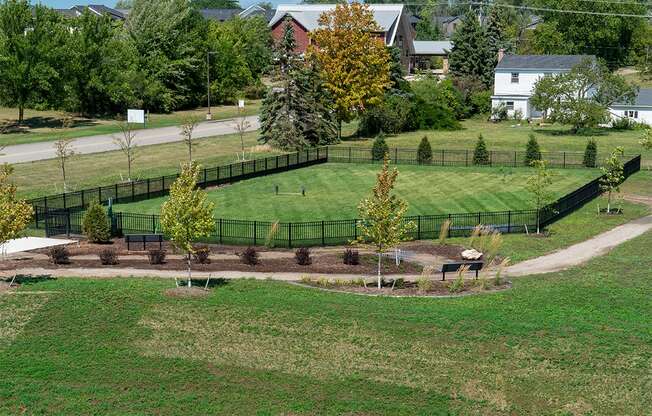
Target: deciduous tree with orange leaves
point(353, 58)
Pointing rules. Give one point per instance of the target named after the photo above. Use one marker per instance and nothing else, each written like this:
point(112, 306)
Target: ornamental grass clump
point(249, 256)
point(108, 257)
point(302, 256)
point(59, 255)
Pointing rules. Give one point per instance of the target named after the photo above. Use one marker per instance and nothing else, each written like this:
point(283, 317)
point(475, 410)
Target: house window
point(510, 105)
point(631, 113)
point(514, 77)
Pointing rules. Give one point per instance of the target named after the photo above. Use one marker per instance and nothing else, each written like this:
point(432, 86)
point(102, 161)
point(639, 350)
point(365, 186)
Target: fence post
point(254, 232)
point(448, 232)
point(509, 221)
point(153, 224)
point(323, 241)
point(467, 157)
point(349, 154)
point(418, 227)
point(220, 230)
point(355, 229)
point(564, 160)
point(82, 198)
point(287, 161)
point(396, 155)
point(64, 200)
point(147, 188)
point(515, 156)
point(491, 158)
point(116, 192)
point(204, 176)
point(99, 193)
point(442, 157)
point(133, 192)
point(266, 164)
point(290, 234)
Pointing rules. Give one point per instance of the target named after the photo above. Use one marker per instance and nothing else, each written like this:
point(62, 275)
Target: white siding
point(644, 113)
point(519, 104)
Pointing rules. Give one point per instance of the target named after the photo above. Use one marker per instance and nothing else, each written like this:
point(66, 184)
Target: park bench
point(144, 239)
point(474, 266)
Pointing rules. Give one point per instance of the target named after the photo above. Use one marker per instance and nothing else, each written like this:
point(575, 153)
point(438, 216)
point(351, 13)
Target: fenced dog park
point(310, 198)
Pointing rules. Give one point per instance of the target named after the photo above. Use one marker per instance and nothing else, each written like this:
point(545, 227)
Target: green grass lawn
point(334, 190)
point(40, 126)
point(572, 343)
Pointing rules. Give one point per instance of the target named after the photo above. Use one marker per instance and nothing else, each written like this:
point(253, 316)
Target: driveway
point(102, 143)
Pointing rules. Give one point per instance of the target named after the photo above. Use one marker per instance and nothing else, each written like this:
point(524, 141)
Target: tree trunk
point(379, 257)
point(339, 129)
point(21, 114)
point(189, 272)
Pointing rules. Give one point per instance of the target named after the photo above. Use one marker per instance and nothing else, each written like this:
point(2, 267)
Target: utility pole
point(209, 116)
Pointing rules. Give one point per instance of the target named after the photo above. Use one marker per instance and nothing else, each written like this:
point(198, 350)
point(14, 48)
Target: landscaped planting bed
point(333, 191)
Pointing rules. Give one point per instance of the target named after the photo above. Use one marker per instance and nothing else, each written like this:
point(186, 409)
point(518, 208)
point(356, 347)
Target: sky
point(64, 4)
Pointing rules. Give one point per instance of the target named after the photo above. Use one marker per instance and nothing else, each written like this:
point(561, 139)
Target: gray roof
point(643, 99)
point(219, 14)
point(544, 62)
point(432, 47)
point(386, 16)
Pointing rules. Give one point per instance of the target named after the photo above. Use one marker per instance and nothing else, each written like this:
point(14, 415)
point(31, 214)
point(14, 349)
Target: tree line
point(155, 59)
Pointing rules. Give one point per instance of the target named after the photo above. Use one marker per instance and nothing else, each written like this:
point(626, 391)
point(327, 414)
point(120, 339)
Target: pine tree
point(424, 152)
point(480, 153)
point(380, 149)
point(532, 150)
point(319, 123)
point(471, 56)
point(496, 32)
point(590, 154)
point(95, 224)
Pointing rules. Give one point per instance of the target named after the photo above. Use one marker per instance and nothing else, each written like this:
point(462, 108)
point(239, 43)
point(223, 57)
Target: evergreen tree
point(496, 32)
point(532, 150)
point(426, 28)
point(590, 154)
point(380, 148)
point(319, 123)
point(480, 153)
point(95, 224)
point(471, 56)
point(424, 152)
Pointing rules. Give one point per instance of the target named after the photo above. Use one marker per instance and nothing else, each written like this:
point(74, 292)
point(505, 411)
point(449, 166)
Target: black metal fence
point(67, 219)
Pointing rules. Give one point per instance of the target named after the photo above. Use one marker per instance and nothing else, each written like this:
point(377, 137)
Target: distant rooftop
point(643, 99)
point(432, 47)
point(544, 62)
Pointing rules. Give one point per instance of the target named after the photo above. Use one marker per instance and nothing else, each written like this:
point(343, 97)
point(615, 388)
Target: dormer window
point(514, 77)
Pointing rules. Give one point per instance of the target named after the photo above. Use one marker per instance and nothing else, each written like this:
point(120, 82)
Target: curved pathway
point(574, 255)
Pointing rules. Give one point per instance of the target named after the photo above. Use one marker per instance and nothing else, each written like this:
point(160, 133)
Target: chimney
point(501, 54)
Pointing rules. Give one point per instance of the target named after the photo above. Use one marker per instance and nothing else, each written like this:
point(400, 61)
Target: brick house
point(393, 20)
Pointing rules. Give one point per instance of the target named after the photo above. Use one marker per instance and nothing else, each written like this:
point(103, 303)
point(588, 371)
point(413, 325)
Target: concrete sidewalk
point(102, 143)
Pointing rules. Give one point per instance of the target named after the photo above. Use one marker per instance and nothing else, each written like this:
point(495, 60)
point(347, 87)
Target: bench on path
point(144, 239)
point(473, 266)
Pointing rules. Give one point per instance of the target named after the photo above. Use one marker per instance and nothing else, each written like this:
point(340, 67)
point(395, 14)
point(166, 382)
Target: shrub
point(380, 148)
point(499, 112)
point(457, 285)
point(480, 153)
point(351, 257)
point(590, 154)
point(532, 150)
point(108, 257)
point(394, 115)
point(202, 254)
point(480, 102)
point(518, 115)
point(398, 283)
point(424, 152)
point(95, 224)
point(59, 255)
point(623, 123)
point(302, 256)
point(156, 256)
point(249, 256)
point(443, 231)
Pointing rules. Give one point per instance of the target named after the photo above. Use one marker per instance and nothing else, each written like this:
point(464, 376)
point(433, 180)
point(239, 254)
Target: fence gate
point(57, 222)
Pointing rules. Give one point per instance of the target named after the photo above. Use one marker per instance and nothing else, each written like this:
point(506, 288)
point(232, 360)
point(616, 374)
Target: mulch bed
point(323, 263)
point(449, 251)
point(439, 288)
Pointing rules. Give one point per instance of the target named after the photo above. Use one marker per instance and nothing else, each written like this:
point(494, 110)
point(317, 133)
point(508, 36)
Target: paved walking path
point(582, 252)
point(104, 142)
point(565, 258)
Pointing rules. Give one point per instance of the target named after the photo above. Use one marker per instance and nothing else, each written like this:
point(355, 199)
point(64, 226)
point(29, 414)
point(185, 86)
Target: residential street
point(101, 143)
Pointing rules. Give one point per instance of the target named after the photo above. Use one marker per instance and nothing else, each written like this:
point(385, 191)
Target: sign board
point(136, 116)
point(240, 103)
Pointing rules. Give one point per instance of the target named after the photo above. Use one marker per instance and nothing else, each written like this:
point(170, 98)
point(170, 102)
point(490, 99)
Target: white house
point(640, 110)
point(516, 75)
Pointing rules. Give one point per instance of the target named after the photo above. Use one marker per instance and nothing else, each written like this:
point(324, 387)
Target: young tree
point(646, 140)
point(187, 216)
point(424, 152)
point(380, 149)
point(64, 151)
point(471, 56)
point(582, 96)
point(241, 126)
point(532, 150)
point(354, 62)
point(127, 144)
point(539, 187)
point(613, 175)
point(480, 153)
point(590, 154)
point(187, 128)
point(382, 214)
point(16, 213)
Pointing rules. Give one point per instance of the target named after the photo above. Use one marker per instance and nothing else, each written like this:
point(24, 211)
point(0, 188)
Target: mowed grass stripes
point(333, 191)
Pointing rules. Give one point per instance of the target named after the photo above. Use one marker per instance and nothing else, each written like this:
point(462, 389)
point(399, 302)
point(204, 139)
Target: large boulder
point(471, 254)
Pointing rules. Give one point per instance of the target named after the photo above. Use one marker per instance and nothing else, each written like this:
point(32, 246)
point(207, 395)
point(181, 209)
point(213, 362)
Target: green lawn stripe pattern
point(334, 190)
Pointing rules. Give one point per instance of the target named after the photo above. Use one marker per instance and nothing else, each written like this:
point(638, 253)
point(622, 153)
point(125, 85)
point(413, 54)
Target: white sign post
point(241, 104)
point(136, 116)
